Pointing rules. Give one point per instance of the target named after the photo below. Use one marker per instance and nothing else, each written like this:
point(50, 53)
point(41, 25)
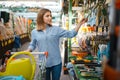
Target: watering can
point(21, 66)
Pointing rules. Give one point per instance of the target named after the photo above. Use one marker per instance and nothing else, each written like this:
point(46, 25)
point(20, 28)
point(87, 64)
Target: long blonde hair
point(40, 21)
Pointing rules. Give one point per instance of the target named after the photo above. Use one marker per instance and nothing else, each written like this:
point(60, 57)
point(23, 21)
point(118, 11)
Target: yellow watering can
point(22, 66)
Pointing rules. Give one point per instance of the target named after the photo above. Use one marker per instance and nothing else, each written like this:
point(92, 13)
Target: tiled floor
point(63, 76)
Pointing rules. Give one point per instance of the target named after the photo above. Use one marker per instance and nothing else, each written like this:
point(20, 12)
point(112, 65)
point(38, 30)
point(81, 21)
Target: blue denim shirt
point(49, 41)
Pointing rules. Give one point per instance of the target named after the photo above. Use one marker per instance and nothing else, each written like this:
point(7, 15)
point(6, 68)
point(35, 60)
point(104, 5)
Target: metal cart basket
point(40, 57)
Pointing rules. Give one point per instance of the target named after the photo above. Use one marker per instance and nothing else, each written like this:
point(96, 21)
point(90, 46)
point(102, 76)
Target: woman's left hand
point(80, 23)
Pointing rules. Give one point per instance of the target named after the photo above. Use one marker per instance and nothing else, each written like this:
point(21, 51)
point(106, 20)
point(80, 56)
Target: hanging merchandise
point(6, 16)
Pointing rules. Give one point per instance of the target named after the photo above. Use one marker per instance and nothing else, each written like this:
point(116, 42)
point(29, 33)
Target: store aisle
point(63, 76)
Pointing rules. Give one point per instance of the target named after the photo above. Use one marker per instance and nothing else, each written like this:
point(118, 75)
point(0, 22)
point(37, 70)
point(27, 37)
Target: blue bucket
point(12, 78)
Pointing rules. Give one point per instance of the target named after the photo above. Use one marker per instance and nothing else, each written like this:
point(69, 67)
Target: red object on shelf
point(79, 54)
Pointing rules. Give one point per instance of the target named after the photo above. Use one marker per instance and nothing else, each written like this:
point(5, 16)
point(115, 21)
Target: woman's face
point(47, 18)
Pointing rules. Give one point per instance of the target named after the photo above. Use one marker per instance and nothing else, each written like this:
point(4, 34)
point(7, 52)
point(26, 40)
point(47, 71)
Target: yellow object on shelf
point(85, 60)
point(22, 66)
point(72, 61)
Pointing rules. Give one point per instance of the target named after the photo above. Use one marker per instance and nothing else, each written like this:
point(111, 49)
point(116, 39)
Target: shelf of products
point(88, 67)
point(12, 25)
point(85, 52)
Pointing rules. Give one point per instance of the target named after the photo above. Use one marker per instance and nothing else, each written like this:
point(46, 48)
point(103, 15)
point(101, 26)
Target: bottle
point(112, 67)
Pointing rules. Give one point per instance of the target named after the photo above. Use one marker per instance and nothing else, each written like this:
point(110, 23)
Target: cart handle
point(45, 53)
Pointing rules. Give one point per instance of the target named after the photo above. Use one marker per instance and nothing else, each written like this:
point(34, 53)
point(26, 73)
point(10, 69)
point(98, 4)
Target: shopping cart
point(23, 67)
point(40, 57)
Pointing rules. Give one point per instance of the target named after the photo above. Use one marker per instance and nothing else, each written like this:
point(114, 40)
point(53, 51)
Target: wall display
point(91, 40)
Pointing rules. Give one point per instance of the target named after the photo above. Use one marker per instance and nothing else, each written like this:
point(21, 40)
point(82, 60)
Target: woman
point(46, 37)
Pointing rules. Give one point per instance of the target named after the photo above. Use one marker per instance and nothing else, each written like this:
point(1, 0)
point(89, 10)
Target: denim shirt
point(49, 41)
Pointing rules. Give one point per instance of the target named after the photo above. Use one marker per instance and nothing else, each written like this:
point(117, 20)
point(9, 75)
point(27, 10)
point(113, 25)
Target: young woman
point(46, 37)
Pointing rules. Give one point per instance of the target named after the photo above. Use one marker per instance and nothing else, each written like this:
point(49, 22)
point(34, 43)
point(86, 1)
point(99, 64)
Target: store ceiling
point(30, 0)
point(29, 8)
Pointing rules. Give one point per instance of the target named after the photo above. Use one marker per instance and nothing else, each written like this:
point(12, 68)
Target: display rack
point(10, 26)
point(95, 34)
